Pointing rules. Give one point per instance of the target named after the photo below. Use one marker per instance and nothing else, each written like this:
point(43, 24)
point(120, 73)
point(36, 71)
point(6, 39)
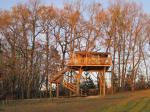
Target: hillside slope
point(138, 101)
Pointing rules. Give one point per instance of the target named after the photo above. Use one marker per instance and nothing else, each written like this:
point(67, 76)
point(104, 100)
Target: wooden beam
point(102, 85)
point(50, 90)
point(57, 90)
point(78, 82)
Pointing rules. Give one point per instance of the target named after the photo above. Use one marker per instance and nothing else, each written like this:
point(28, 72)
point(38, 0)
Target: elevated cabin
point(90, 60)
point(84, 61)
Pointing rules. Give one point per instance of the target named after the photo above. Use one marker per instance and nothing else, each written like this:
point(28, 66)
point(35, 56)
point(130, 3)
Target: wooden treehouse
point(79, 63)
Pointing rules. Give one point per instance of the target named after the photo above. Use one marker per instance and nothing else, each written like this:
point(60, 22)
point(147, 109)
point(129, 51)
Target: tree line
point(36, 40)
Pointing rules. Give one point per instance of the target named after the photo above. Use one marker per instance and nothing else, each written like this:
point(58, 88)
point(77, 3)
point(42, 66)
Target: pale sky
point(7, 4)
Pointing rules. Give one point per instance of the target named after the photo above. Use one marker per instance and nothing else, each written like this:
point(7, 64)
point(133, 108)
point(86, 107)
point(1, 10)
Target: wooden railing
point(90, 61)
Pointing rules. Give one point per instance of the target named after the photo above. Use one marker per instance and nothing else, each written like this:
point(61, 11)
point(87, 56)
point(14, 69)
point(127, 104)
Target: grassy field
point(138, 101)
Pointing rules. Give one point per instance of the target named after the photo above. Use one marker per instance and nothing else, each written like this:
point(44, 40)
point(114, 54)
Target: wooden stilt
point(104, 82)
point(99, 83)
point(102, 85)
point(57, 90)
point(78, 82)
point(50, 90)
point(71, 75)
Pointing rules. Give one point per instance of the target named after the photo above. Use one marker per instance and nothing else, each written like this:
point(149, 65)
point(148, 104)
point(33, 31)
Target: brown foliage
point(37, 39)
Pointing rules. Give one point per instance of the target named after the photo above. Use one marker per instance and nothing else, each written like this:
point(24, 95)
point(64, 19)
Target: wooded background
point(36, 40)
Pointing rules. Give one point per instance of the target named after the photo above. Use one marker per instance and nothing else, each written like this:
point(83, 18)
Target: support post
point(78, 82)
point(102, 85)
point(57, 90)
point(50, 90)
point(71, 75)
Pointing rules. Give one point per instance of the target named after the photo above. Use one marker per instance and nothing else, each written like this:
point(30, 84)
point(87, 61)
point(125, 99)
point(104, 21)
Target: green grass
point(123, 102)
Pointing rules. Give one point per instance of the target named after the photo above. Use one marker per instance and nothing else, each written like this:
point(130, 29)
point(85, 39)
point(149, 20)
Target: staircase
point(59, 78)
point(70, 86)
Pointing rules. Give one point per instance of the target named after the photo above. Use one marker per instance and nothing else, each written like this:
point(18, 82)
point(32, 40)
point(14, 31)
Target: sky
point(7, 4)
